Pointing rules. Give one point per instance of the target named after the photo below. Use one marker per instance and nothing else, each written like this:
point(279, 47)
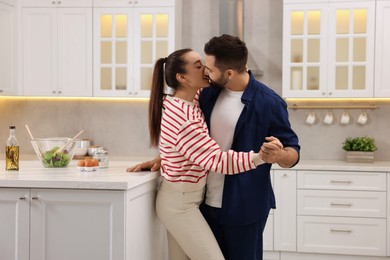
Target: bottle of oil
point(12, 151)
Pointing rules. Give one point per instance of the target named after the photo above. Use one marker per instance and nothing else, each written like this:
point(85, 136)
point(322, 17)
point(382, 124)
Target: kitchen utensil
point(70, 140)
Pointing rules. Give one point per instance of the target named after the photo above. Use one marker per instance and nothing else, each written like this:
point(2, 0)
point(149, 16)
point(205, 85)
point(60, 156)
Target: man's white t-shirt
point(223, 122)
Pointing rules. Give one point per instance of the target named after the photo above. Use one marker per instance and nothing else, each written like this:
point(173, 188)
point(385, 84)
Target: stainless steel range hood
point(231, 21)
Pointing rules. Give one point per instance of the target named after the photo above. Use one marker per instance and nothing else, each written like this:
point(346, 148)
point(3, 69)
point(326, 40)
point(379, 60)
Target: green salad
point(52, 159)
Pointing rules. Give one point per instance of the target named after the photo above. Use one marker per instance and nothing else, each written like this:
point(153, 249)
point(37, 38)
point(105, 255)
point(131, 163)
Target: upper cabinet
point(57, 48)
point(7, 48)
point(127, 42)
point(104, 48)
point(382, 49)
point(328, 48)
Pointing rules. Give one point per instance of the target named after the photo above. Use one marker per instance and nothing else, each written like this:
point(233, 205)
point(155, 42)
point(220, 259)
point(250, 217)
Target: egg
point(81, 163)
point(89, 163)
point(95, 162)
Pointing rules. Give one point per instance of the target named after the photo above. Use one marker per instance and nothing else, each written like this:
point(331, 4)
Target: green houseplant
point(359, 149)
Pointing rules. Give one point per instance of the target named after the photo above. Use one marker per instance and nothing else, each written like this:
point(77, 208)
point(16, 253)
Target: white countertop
point(335, 165)
point(33, 175)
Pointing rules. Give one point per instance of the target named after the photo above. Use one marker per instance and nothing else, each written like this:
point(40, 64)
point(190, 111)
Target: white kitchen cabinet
point(328, 48)
point(57, 48)
point(285, 215)
point(382, 49)
point(128, 41)
point(65, 224)
point(14, 223)
point(337, 211)
point(7, 48)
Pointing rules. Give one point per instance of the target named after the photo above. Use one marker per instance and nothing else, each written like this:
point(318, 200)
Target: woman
point(187, 153)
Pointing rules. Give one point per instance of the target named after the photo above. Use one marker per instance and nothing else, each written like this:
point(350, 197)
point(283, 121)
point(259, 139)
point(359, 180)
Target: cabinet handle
point(346, 230)
point(35, 197)
point(60, 92)
point(54, 91)
point(53, 2)
point(1, 90)
point(130, 2)
point(330, 94)
point(59, 2)
point(341, 181)
point(24, 197)
point(341, 204)
point(135, 2)
point(136, 93)
point(130, 93)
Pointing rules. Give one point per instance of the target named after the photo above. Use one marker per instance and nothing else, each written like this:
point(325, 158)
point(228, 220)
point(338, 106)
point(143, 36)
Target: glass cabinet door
point(128, 41)
point(154, 32)
point(113, 45)
point(304, 66)
point(351, 49)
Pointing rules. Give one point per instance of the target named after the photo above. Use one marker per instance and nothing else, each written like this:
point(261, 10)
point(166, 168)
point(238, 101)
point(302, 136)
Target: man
point(240, 112)
point(243, 115)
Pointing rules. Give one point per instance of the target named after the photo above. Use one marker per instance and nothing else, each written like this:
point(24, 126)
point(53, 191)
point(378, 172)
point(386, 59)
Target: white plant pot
point(360, 157)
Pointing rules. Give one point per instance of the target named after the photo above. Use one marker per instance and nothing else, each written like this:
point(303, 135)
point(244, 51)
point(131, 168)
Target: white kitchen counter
point(336, 165)
point(33, 175)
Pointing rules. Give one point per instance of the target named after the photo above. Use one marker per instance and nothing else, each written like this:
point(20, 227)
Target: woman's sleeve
point(196, 145)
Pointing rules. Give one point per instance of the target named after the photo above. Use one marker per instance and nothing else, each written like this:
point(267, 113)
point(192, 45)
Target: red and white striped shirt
point(188, 152)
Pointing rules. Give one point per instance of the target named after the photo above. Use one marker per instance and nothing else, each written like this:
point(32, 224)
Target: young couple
point(209, 210)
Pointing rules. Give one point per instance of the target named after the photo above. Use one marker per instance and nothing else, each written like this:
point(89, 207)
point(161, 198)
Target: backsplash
point(119, 126)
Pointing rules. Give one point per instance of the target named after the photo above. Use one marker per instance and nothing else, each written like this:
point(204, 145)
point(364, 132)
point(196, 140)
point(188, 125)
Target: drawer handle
point(24, 197)
point(35, 197)
point(341, 204)
point(347, 230)
point(341, 181)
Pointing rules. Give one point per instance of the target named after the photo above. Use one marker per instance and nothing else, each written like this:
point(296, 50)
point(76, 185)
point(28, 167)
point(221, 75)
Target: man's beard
point(221, 82)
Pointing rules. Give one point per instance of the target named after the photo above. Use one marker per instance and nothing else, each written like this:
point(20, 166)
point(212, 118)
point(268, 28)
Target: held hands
point(152, 165)
point(270, 151)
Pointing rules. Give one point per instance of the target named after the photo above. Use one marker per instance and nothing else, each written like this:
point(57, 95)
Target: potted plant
point(359, 149)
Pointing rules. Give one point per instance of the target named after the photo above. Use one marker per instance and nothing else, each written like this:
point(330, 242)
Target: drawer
point(342, 203)
point(341, 180)
point(355, 236)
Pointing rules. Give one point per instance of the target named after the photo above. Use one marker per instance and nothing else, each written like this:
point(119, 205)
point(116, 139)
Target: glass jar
point(102, 157)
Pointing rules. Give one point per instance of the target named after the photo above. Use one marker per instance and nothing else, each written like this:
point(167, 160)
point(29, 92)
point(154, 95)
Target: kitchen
point(118, 124)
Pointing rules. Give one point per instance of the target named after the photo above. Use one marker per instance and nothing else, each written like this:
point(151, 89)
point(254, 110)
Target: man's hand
point(152, 165)
point(270, 151)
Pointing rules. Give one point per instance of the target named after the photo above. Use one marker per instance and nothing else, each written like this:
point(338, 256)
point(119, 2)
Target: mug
point(328, 118)
point(362, 119)
point(345, 118)
point(311, 118)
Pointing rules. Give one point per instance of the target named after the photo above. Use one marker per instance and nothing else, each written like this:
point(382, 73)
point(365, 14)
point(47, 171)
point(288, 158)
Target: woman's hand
point(152, 165)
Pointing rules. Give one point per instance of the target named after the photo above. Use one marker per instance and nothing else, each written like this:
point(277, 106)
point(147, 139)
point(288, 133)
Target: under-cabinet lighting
point(93, 99)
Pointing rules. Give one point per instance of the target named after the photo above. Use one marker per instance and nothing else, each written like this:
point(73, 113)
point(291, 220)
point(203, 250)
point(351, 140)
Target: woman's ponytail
point(156, 101)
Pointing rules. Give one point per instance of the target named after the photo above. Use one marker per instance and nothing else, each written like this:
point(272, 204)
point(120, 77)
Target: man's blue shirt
point(248, 196)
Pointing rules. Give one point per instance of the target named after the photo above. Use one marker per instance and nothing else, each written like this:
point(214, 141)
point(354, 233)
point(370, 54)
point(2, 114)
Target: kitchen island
point(63, 213)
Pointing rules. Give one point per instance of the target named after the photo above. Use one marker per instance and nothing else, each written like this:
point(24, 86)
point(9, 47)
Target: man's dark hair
point(229, 52)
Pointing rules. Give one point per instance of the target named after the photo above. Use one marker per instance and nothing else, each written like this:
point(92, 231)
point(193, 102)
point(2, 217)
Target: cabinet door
point(7, 50)
point(77, 224)
point(113, 52)
point(153, 39)
point(304, 50)
point(285, 215)
point(74, 52)
point(39, 51)
point(382, 49)
point(57, 3)
point(351, 49)
point(14, 224)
